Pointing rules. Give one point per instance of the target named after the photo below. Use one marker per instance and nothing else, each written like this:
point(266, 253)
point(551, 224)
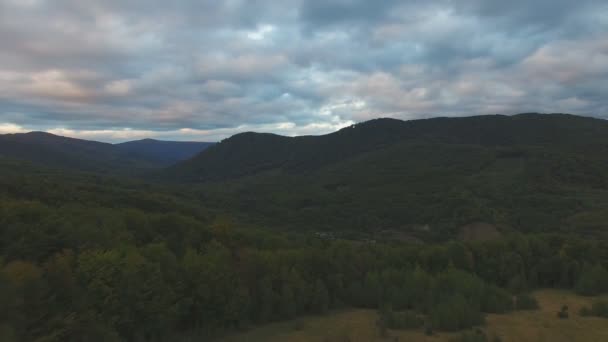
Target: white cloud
point(6, 128)
point(128, 69)
point(261, 33)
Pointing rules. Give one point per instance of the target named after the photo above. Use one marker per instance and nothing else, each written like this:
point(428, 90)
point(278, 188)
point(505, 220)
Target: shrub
point(428, 330)
point(496, 300)
point(455, 313)
point(518, 284)
point(401, 320)
point(563, 313)
point(473, 336)
point(406, 320)
point(525, 302)
point(592, 281)
point(598, 308)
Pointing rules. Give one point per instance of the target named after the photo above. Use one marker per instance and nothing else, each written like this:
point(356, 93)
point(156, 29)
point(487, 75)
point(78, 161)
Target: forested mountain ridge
point(527, 172)
point(250, 153)
point(164, 152)
point(68, 153)
point(92, 156)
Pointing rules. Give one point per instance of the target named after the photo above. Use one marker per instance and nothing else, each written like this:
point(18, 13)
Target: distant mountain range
point(84, 155)
point(163, 152)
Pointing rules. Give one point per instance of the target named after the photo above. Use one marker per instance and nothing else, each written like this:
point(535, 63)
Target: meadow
point(520, 326)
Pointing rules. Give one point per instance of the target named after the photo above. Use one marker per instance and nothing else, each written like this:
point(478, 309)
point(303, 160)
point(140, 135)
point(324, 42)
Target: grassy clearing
point(522, 326)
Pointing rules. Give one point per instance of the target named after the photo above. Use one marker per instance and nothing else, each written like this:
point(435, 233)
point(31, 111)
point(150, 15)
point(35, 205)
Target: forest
point(103, 263)
point(98, 256)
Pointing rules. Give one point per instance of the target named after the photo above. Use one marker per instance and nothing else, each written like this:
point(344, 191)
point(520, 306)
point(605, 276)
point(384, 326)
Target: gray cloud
point(114, 69)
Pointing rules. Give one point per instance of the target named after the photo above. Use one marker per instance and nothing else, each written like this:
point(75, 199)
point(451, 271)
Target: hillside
point(68, 153)
point(249, 153)
point(60, 152)
point(426, 179)
point(163, 152)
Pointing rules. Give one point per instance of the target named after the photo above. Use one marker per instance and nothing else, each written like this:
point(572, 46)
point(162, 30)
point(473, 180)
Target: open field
point(522, 326)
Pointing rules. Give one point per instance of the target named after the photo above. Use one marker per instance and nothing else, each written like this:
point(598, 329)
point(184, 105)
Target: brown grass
point(522, 326)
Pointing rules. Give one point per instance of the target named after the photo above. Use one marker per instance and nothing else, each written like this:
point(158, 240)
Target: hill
point(68, 153)
point(163, 152)
point(60, 152)
point(426, 179)
point(249, 153)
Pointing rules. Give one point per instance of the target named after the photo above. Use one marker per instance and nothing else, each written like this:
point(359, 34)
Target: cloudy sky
point(115, 70)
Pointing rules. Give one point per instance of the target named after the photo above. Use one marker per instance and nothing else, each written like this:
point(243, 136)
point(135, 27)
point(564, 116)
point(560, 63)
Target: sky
point(117, 70)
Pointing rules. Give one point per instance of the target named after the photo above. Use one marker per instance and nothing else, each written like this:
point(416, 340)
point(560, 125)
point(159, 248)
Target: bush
point(406, 320)
point(455, 313)
point(428, 329)
point(526, 302)
point(598, 308)
point(563, 313)
point(401, 320)
point(496, 300)
point(473, 336)
point(518, 284)
point(592, 281)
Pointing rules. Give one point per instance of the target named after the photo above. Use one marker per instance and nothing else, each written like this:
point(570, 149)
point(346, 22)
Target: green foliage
point(403, 320)
point(496, 300)
point(593, 280)
point(455, 313)
point(524, 301)
point(424, 179)
point(320, 297)
point(599, 308)
point(475, 336)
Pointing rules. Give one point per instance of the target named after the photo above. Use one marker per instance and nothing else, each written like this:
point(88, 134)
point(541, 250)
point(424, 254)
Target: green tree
point(288, 302)
point(593, 280)
point(320, 299)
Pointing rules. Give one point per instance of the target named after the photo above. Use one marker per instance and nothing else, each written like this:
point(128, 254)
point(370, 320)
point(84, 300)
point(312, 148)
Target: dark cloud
point(205, 69)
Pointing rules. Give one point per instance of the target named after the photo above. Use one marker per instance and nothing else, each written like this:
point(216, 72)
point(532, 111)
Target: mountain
point(163, 152)
point(249, 153)
point(68, 153)
point(425, 178)
point(131, 157)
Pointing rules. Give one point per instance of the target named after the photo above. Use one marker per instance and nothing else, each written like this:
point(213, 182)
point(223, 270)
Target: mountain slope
point(250, 153)
point(426, 178)
point(163, 152)
point(69, 153)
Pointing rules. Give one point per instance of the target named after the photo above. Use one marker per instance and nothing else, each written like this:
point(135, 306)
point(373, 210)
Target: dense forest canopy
point(434, 223)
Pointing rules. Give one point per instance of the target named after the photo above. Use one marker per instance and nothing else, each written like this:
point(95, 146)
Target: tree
point(455, 313)
point(524, 301)
point(288, 304)
point(593, 280)
point(320, 300)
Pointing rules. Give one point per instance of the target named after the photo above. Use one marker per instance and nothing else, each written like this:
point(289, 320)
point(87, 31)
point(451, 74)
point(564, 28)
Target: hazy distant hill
point(69, 153)
point(164, 152)
point(76, 154)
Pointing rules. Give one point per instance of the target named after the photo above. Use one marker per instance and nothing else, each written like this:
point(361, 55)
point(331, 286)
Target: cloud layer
point(116, 70)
